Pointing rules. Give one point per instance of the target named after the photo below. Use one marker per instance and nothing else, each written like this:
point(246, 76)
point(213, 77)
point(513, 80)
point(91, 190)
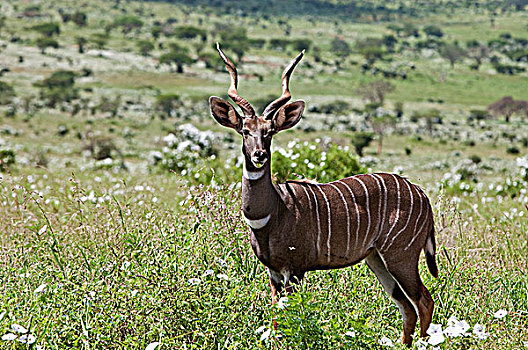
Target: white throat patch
point(257, 224)
point(252, 175)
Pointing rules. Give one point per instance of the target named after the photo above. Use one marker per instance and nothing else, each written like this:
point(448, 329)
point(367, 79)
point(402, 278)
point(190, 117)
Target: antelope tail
point(430, 252)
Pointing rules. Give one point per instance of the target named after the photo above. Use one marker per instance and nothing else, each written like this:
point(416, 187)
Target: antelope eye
point(245, 132)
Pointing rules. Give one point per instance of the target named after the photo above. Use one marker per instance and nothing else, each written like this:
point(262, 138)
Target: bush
point(7, 158)
point(44, 43)
point(47, 29)
point(166, 104)
point(360, 140)
point(6, 93)
point(189, 152)
point(315, 160)
point(513, 150)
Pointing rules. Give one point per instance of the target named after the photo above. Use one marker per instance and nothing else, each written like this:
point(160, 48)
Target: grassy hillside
point(120, 197)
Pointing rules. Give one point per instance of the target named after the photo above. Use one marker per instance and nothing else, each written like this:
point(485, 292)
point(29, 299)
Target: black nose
point(260, 156)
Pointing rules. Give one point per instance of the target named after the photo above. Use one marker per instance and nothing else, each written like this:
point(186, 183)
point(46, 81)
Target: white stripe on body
point(379, 209)
point(382, 219)
point(417, 232)
point(367, 205)
point(347, 214)
point(408, 218)
point(357, 211)
point(318, 223)
point(329, 222)
point(258, 223)
point(417, 220)
point(397, 210)
point(307, 196)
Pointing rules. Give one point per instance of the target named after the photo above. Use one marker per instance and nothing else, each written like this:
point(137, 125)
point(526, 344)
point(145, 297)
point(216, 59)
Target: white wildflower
point(421, 344)
point(480, 331)
point(436, 339)
point(350, 334)
point(18, 328)
point(194, 281)
point(260, 329)
point(500, 314)
point(434, 329)
point(40, 288)
point(152, 346)
point(27, 339)
point(208, 273)
point(133, 293)
point(265, 335)
point(283, 303)
point(384, 341)
point(222, 276)
point(9, 336)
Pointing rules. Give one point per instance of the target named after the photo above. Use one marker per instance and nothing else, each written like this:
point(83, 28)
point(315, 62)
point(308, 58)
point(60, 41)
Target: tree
point(177, 55)
point(478, 52)
point(99, 39)
point(375, 91)
point(433, 31)
point(190, 32)
point(430, 116)
point(360, 140)
point(58, 87)
point(380, 124)
point(507, 106)
point(79, 18)
point(156, 31)
point(2, 22)
point(301, 44)
point(44, 43)
point(47, 29)
point(128, 23)
point(6, 93)
point(80, 41)
point(145, 47)
point(235, 40)
point(340, 48)
point(453, 53)
point(166, 104)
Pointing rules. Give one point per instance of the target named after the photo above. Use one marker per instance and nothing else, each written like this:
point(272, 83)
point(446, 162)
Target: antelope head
point(257, 130)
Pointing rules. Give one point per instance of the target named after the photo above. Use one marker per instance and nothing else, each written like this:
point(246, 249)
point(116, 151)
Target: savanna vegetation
point(120, 197)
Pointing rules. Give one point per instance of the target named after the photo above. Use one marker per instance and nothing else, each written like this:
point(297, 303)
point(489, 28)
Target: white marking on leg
point(285, 275)
point(402, 289)
point(417, 220)
point(329, 223)
point(408, 218)
point(397, 210)
point(252, 175)
point(367, 206)
point(258, 223)
point(318, 223)
point(347, 214)
point(357, 211)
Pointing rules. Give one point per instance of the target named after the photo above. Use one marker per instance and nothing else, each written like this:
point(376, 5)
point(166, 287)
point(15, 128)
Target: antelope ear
point(289, 115)
point(224, 113)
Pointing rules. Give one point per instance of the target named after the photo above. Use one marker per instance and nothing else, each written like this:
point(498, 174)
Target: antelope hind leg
point(407, 310)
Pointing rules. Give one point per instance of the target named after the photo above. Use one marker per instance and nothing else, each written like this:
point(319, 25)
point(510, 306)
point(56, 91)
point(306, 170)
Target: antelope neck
point(259, 196)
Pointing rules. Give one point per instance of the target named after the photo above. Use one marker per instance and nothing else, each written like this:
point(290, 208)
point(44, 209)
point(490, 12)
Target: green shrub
point(7, 158)
point(318, 160)
point(6, 93)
